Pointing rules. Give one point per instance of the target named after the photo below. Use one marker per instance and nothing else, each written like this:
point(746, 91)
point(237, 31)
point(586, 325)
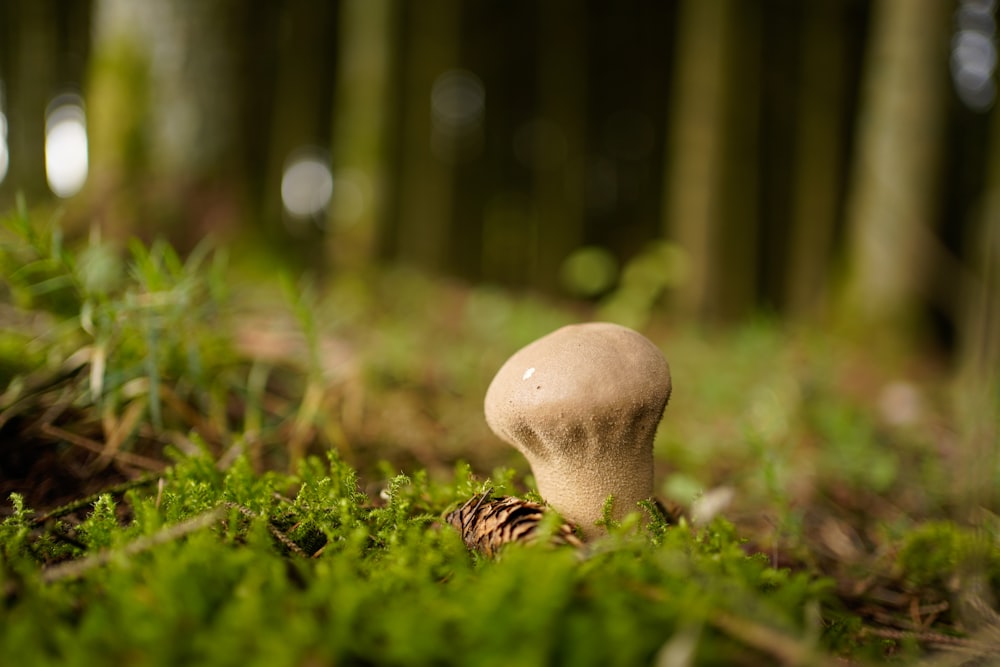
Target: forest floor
point(178, 436)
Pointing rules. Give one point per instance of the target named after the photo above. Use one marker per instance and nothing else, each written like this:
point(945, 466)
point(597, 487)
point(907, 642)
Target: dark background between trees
point(809, 159)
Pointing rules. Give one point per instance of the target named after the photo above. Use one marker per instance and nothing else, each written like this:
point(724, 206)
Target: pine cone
point(486, 525)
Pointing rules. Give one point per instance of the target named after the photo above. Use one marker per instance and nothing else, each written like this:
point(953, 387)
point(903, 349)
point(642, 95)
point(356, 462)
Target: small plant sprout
point(582, 404)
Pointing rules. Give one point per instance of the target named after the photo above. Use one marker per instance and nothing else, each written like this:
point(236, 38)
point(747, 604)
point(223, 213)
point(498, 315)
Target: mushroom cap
point(582, 404)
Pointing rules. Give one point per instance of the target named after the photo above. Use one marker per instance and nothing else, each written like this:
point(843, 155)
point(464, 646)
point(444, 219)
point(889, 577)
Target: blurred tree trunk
point(736, 248)
point(818, 159)
point(426, 182)
point(695, 147)
point(28, 66)
point(163, 115)
point(562, 102)
point(362, 103)
point(978, 392)
point(300, 119)
point(894, 188)
point(118, 99)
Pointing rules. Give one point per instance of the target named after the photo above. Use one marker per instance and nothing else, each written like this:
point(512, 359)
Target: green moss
point(941, 553)
point(386, 584)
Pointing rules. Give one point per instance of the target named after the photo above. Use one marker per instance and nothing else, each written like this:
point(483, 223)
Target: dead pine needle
point(277, 534)
point(77, 440)
point(967, 645)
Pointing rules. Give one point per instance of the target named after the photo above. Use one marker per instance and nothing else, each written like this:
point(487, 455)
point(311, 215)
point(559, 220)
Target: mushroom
point(582, 404)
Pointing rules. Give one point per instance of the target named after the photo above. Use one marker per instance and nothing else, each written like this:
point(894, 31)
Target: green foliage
point(17, 355)
point(217, 560)
point(941, 553)
point(39, 270)
point(15, 528)
point(101, 528)
point(120, 305)
point(659, 267)
point(322, 575)
point(853, 448)
point(130, 331)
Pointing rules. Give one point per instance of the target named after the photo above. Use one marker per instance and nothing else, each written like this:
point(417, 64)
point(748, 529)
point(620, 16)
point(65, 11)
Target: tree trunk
point(300, 119)
point(164, 115)
point(978, 387)
point(360, 115)
point(735, 275)
point(562, 102)
point(27, 82)
point(816, 176)
point(894, 190)
point(695, 150)
point(426, 182)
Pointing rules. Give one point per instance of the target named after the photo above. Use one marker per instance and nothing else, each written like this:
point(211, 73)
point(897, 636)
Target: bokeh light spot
point(589, 271)
point(307, 184)
point(458, 99)
point(458, 105)
point(4, 150)
point(66, 150)
point(974, 54)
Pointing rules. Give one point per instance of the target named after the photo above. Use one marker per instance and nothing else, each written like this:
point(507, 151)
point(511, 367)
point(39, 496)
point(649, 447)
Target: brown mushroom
point(582, 404)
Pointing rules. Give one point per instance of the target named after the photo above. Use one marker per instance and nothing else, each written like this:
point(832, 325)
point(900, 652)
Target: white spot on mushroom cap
point(528, 373)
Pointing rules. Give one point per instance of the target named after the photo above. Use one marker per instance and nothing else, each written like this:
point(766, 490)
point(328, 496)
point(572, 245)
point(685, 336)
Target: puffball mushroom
point(582, 404)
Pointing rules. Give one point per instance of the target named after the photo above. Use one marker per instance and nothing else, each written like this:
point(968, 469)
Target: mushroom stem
point(580, 497)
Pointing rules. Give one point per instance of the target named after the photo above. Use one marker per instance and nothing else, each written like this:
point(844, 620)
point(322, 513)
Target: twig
point(77, 440)
point(786, 649)
point(75, 505)
point(934, 638)
point(278, 535)
point(77, 568)
point(31, 395)
point(196, 420)
point(115, 434)
point(64, 399)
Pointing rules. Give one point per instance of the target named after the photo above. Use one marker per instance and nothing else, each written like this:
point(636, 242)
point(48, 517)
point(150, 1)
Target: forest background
point(763, 156)
point(454, 177)
point(833, 163)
